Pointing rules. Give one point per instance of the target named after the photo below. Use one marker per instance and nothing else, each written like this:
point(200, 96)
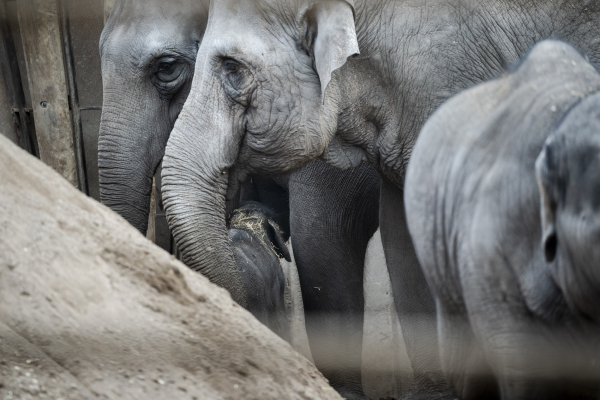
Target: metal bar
point(25, 109)
point(73, 97)
point(92, 108)
point(14, 86)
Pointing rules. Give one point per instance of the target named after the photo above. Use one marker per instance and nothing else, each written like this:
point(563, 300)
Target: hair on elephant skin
point(258, 243)
point(148, 51)
point(502, 203)
point(279, 83)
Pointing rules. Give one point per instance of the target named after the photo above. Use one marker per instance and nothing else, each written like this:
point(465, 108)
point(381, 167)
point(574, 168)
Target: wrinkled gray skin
point(332, 214)
point(276, 86)
point(510, 244)
point(148, 50)
point(258, 243)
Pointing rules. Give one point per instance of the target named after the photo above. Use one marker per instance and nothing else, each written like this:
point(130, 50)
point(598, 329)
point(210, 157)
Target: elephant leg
point(412, 297)
point(462, 359)
point(333, 216)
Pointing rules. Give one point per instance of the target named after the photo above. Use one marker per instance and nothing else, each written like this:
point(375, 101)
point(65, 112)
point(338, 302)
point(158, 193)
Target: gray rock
point(88, 306)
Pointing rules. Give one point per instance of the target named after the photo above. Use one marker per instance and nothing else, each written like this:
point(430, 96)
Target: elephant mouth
point(237, 177)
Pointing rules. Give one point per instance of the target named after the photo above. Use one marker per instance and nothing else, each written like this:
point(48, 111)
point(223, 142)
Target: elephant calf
point(503, 205)
point(257, 244)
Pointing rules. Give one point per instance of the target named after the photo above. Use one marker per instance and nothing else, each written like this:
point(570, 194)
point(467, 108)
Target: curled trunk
point(201, 150)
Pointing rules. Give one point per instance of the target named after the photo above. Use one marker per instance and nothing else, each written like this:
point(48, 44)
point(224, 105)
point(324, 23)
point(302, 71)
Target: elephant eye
point(168, 70)
point(237, 79)
point(230, 66)
point(165, 68)
point(234, 73)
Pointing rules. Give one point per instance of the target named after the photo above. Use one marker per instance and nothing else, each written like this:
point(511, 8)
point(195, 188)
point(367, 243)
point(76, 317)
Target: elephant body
point(279, 83)
point(148, 50)
point(511, 265)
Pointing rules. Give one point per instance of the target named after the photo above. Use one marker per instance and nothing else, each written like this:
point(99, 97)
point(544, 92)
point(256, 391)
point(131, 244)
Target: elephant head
point(148, 51)
point(568, 174)
point(265, 99)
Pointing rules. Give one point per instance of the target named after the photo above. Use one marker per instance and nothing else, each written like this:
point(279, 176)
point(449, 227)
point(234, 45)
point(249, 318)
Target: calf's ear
point(274, 234)
point(331, 37)
point(547, 179)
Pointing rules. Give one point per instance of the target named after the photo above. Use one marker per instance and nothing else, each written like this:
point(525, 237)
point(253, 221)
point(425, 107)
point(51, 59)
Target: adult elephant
point(279, 83)
point(514, 264)
point(148, 50)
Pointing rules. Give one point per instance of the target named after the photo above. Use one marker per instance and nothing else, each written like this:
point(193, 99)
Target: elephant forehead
point(145, 26)
point(133, 9)
point(139, 44)
point(251, 7)
point(239, 42)
point(245, 25)
point(282, 9)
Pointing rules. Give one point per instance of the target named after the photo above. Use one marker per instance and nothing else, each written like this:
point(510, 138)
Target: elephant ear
point(547, 179)
point(335, 41)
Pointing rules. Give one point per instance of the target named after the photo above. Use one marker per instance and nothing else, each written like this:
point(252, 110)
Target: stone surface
point(89, 308)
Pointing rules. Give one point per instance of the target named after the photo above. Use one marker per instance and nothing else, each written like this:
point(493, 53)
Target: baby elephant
point(503, 204)
point(258, 244)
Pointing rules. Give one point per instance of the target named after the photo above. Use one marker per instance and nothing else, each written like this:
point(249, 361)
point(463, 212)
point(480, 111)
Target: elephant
point(280, 83)
point(258, 243)
point(502, 203)
point(148, 50)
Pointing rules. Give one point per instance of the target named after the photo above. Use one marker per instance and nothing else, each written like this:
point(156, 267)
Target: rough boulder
point(90, 309)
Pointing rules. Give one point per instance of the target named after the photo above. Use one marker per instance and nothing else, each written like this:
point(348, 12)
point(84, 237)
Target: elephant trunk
point(126, 163)
point(201, 149)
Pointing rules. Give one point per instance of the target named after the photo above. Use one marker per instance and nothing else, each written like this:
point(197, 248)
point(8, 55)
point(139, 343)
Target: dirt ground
point(90, 309)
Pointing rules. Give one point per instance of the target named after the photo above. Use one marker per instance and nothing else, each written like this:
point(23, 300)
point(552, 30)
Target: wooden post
point(39, 21)
point(73, 97)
